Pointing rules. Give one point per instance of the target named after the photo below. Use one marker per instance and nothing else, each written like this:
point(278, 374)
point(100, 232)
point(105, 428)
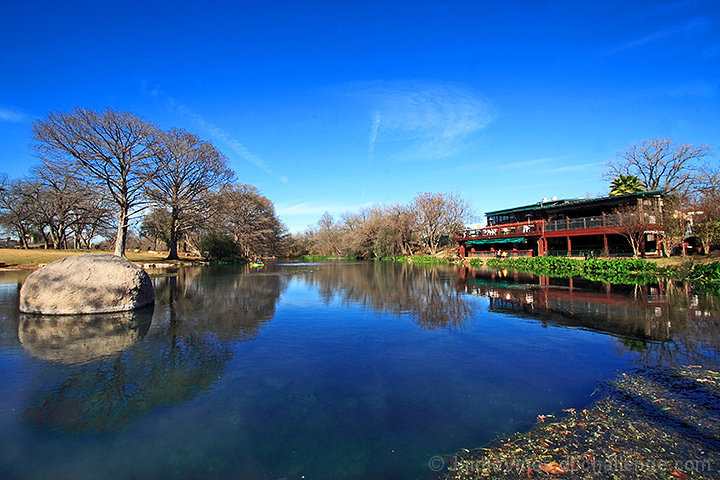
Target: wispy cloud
point(422, 121)
point(216, 133)
point(301, 215)
point(312, 208)
point(373, 134)
point(514, 165)
point(697, 89)
point(12, 115)
point(694, 24)
point(537, 161)
point(572, 168)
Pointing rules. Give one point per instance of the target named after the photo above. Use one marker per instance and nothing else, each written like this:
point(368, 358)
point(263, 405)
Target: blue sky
point(333, 106)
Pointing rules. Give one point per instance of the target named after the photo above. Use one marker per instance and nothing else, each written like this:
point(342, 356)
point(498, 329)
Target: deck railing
point(538, 227)
point(505, 230)
point(601, 221)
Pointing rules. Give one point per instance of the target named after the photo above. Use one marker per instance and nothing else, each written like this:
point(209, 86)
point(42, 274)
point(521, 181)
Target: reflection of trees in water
point(425, 293)
point(666, 321)
point(232, 306)
point(9, 312)
point(199, 312)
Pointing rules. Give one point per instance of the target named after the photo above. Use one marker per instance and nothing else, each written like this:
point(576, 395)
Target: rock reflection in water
point(197, 317)
point(81, 338)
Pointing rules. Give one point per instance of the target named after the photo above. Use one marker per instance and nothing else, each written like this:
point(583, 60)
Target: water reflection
point(667, 321)
point(223, 302)
point(184, 353)
point(82, 338)
point(360, 370)
point(426, 293)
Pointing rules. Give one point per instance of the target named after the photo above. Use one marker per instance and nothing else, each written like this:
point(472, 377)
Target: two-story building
point(573, 227)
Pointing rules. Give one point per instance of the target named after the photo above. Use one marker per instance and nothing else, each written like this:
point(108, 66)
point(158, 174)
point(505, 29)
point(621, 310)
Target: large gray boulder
point(94, 283)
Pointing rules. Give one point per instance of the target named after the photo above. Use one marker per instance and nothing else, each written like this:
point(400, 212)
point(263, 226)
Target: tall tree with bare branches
point(191, 168)
point(439, 215)
point(113, 149)
point(660, 164)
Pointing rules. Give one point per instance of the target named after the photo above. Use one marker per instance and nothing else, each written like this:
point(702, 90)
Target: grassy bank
point(657, 424)
point(421, 259)
point(315, 258)
point(22, 258)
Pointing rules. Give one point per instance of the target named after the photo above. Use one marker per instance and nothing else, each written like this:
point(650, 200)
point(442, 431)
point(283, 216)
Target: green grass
point(422, 260)
point(34, 257)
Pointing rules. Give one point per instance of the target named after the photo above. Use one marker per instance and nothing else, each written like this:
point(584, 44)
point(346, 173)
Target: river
point(333, 370)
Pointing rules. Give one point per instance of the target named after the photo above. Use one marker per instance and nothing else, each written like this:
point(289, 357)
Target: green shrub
point(599, 269)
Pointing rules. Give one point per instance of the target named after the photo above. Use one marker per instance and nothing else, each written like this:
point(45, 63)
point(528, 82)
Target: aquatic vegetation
point(658, 423)
point(627, 271)
point(422, 259)
point(622, 271)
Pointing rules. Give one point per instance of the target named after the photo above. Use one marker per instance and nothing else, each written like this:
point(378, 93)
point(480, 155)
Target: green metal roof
point(569, 202)
point(496, 240)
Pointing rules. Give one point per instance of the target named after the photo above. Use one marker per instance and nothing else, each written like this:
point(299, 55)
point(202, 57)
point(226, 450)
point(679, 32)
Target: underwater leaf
point(553, 468)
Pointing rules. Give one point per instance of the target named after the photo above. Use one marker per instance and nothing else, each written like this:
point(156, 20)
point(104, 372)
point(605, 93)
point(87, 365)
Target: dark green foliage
point(217, 246)
point(707, 276)
point(627, 271)
point(604, 270)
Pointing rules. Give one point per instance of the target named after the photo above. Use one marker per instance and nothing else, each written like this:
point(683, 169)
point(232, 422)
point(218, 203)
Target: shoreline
point(657, 423)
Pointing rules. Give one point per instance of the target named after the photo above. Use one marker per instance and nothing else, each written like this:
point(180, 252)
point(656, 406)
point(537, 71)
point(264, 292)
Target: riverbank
point(656, 424)
point(23, 259)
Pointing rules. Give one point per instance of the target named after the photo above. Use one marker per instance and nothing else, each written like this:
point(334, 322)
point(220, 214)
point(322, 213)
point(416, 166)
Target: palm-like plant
point(623, 184)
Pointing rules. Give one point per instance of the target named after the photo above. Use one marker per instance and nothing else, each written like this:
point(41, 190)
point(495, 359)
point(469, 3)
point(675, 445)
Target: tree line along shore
point(113, 180)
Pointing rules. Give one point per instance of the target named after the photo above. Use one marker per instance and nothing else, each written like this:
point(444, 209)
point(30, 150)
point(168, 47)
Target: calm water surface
point(327, 371)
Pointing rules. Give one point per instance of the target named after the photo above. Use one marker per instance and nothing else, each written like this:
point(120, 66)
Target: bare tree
point(439, 215)
point(633, 221)
point(18, 208)
point(706, 223)
point(326, 237)
point(674, 223)
point(250, 218)
point(190, 169)
point(114, 149)
point(660, 164)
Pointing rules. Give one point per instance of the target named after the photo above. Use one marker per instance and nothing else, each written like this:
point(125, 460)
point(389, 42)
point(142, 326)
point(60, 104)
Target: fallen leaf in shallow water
point(553, 468)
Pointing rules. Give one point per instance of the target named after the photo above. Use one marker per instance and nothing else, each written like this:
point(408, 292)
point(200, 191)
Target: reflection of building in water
point(81, 338)
point(658, 312)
